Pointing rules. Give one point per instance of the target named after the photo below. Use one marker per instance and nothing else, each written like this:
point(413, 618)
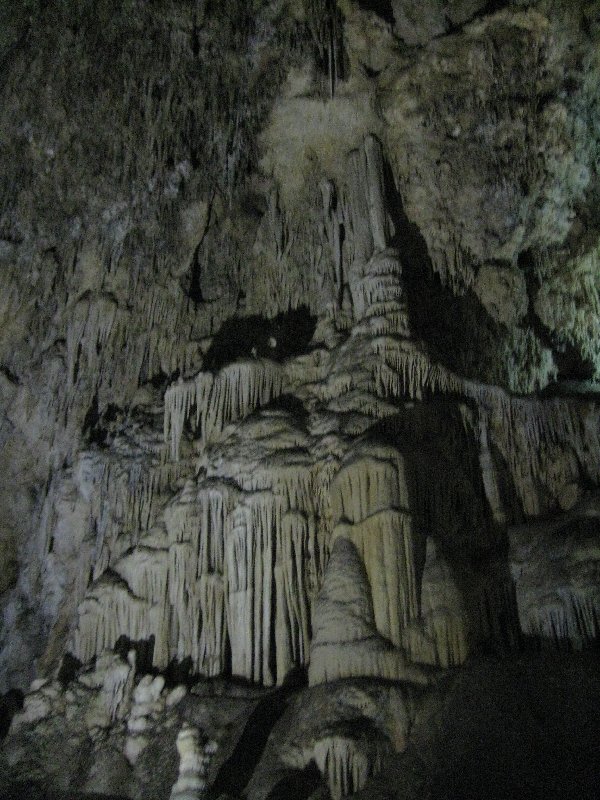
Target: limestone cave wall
point(299, 372)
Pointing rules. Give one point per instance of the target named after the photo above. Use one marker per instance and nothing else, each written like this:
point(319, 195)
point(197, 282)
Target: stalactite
point(385, 542)
point(236, 391)
point(408, 373)
point(125, 496)
point(372, 480)
point(89, 330)
point(109, 611)
point(310, 369)
point(250, 558)
point(555, 569)
point(566, 620)
point(245, 564)
point(326, 29)
point(345, 764)
point(520, 427)
point(180, 398)
point(196, 527)
point(291, 578)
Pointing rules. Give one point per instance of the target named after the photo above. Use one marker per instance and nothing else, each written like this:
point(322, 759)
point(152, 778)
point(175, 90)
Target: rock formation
point(299, 374)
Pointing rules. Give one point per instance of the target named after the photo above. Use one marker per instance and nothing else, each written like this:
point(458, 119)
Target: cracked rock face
point(299, 411)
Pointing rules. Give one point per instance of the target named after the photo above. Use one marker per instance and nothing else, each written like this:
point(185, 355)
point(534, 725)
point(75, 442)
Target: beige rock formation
point(298, 376)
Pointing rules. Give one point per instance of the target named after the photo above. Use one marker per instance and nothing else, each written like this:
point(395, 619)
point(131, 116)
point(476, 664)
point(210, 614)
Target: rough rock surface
point(299, 392)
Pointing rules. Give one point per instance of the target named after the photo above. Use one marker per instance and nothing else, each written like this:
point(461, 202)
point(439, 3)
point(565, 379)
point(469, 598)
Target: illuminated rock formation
point(299, 373)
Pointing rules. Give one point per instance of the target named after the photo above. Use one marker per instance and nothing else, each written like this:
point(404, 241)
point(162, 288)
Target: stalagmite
point(444, 615)
point(117, 687)
point(193, 763)
point(147, 706)
point(377, 290)
point(345, 641)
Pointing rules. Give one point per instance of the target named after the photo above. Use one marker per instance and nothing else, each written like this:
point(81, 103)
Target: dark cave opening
point(287, 334)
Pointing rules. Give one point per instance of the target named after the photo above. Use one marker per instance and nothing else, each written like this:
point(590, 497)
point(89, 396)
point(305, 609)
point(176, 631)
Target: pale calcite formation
point(191, 782)
point(296, 376)
point(240, 570)
point(345, 764)
point(231, 395)
point(346, 642)
point(148, 704)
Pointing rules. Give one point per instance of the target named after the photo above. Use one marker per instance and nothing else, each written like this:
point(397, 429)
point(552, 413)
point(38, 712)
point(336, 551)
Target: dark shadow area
point(383, 9)
point(235, 773)
point(161, 380)
point(325, 26)
point(10, 703)
point(578, 536)
point(69, 667)
point(297, 784)
point(569, 361)
point(287, 402)
point(193, 289)
point(457, 330)
point(526, 730)
point(180, 673)
point(296, 678)
point(287, 334)
point(96, 426)
point(491, 8)
point(449, 505)
point(144, 651)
